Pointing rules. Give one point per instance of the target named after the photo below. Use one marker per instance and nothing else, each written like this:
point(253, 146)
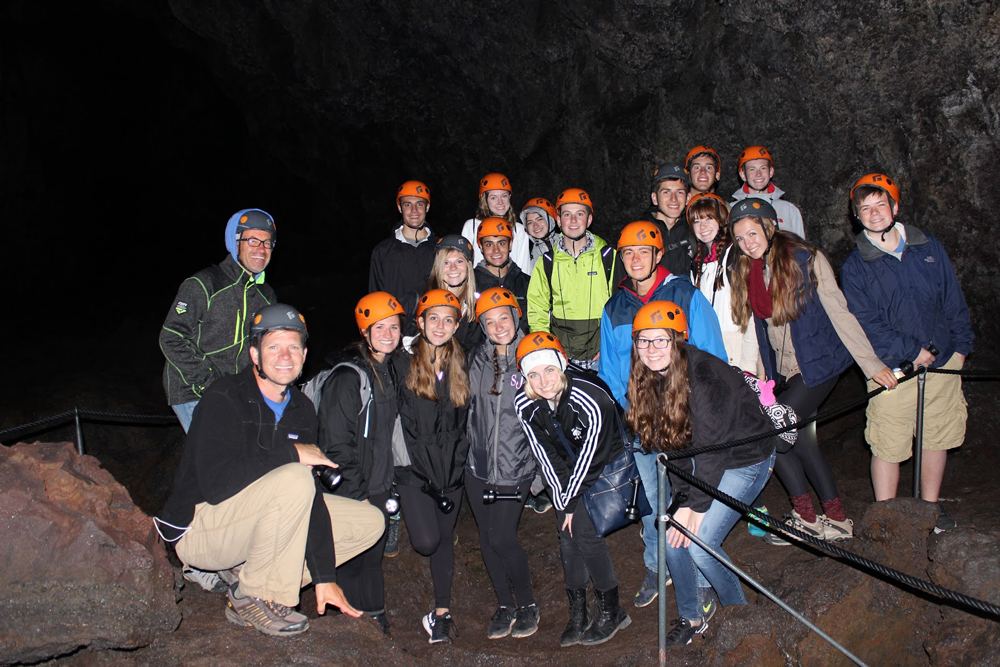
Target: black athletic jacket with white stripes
point(586, 421)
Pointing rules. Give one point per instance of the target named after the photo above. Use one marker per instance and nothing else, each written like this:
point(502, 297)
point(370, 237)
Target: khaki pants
point(265, 527)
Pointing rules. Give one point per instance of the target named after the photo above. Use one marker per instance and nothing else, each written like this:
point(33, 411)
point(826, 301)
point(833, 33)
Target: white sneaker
point(836, 531)
point(209, 581)
point(814, 529)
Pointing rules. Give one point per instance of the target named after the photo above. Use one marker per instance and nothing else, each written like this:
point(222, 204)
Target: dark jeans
point(361, 577)
point(585, 556)
point(505, 559)
point(805, 460)
point(432, 533)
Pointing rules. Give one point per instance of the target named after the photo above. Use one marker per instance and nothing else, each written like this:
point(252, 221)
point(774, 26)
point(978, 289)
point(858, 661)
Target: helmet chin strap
point(498, 268)
point(883, 232)
point(465, 280)
point(263, 376)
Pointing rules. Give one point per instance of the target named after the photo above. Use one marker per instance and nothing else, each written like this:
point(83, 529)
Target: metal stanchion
point(661, 543)
point(918, 449)
point(79, 431)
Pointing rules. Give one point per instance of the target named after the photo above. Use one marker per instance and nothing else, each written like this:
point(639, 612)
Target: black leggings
point(505, 559)
point(432, 533)
point(361, 577)
point(805, 460)
point(585, 556)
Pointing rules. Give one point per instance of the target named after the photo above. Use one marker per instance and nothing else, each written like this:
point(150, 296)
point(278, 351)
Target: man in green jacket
point(566, 298)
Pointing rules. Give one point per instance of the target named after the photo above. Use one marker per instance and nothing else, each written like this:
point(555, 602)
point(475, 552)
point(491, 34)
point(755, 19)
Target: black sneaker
point(383, 623)
point(392, 544)
point(540, 503)
point(501, 623)
point(709, 605)
point(526, 621)
point(684, 632)
point(945, 521)
point(438, 627)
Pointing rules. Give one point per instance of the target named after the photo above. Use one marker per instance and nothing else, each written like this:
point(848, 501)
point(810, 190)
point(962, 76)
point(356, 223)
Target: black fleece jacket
point(232, 443)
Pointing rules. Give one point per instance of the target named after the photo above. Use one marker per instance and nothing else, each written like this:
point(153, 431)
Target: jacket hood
point(773, 192)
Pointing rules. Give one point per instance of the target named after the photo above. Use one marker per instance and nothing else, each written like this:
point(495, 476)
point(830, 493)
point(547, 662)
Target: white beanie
point(547, 357)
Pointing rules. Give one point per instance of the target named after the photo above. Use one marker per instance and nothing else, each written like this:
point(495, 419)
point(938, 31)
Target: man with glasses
point(640, 248)
point(205, 335)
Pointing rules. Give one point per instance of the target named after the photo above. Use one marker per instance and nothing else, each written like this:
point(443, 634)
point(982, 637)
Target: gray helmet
point(275, 317)
point(254, 218)
point(456, 242)
point(751, 207)
point(671, 171)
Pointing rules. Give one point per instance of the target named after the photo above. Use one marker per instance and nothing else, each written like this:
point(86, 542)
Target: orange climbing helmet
point(438, 297)
point(495, 297)
point(641, 232)
point(660, 315)
point(575, 196)
point(494, 227)
point(753, 153)
point(698, 150)
point(494, 182)
point(538, 342)
point(375, 307)
point(880, 181)
point(413, 189)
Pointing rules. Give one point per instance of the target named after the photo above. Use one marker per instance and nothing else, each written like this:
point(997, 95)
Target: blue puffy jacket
point(908, 303)
point(616, 328)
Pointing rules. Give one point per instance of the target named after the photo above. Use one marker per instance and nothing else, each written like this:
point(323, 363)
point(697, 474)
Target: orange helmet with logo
point(660, 315)
point(753, 153)
point(641, 232)
point(495, 297)
point(698, 150)
point(413, 189)
point(537, 341)
point(375, 307)
point(707, 195)
point(575, 196)
point(494, 227)
point(494, 182)
point(438, 297)
point(880, 181)
point(542, 203)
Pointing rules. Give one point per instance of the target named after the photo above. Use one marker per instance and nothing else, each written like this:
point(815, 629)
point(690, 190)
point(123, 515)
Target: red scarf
point(758, 292)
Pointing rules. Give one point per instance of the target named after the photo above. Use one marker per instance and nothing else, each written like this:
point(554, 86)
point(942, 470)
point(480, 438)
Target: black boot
point(610, 618)
point(579, 619)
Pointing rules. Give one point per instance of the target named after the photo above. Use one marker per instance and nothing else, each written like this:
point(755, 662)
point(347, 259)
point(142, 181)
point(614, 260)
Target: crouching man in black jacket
point(245, 503)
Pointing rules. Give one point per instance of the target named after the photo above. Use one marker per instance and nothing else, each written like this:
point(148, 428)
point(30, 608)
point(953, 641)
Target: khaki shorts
point(892, 415)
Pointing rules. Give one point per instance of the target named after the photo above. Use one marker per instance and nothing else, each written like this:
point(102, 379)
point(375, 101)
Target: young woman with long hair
point(680, 397)
point(707, 215)
point(357, 435)
point(495, 192)
point(500, 461)
point(785, 288)
point(571, 422)
point(433, 404)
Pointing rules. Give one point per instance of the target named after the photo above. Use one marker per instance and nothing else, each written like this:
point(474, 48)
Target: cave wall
point(348, 99)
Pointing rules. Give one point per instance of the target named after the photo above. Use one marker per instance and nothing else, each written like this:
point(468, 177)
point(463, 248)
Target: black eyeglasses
point(658, 343)
point(256, 243)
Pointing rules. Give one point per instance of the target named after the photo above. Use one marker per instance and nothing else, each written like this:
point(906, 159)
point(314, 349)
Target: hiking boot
point(945, 521)
point(649, 590)
point(392, 543)
point(501, 623)
point(579, 618)
point(610, 618)
point(684, 632)
point(209, 581)
point(540, 503)
point(526, 621)
point(709, 604)
point(814, 529)
point(266, 616)
point(383, 623)
point(837, 531)
point(438, 627)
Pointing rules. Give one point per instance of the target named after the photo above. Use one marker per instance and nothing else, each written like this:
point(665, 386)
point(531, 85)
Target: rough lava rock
point(80, 564)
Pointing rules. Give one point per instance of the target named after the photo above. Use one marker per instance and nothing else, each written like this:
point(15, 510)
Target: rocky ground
point(880, 622)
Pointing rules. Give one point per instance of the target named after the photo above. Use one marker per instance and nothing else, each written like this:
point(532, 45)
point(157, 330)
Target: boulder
point(80, 564)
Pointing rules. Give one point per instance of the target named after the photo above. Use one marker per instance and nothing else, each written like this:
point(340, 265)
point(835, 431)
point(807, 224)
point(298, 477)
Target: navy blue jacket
point(821, 354)
point(908, 303)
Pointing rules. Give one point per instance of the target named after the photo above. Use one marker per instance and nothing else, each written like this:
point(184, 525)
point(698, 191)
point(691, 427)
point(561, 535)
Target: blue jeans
point(646, 465)
point(744, 484)
point(184, 412)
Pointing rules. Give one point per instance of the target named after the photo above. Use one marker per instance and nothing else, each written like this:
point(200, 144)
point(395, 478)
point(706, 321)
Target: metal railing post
point(79, 431)
point(918, 448)
point(661, 551)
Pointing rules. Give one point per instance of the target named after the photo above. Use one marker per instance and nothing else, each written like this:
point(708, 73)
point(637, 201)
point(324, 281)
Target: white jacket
point(741, 348)
point(789, 215)
point(520, 249)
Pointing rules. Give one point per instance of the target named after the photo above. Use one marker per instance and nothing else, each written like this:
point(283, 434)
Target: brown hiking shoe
point(269, 617)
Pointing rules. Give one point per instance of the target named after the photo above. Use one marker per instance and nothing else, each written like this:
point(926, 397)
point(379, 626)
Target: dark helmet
point(275, 317)
point(670, 171)
point(456, 242)
point(751, 207)
point(254, 218)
